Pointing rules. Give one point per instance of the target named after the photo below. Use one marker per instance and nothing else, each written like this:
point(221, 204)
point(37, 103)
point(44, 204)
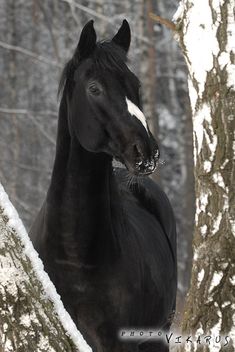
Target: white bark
point(32, 316)
point(206, 32)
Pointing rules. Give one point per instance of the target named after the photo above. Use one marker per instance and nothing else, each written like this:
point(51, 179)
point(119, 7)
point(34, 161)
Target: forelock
point(107, 56)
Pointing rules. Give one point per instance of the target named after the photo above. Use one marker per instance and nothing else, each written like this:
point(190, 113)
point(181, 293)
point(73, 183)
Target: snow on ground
point(5, 276)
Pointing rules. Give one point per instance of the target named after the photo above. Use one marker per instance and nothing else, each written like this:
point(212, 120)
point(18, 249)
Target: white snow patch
point(224, 164)
point(200, 276)
point(225, 304)
point(230, 47)
point(17, 225)
point(8, 346)
point(231, 76)
point(9, 276)
point(203, 230)
point(198, 128)
point(195, 255)
point(211, 141)
point(201, 204)
point(216, 223)
point(226, 200)
point(232, 280)
point(216, 331)
point(199, 116)
point(44, 344)
point(135, 111)
point(179, 12)
point(232, 222)
point(203, 201)
point(224, 59)
point(199, 331)
point(200, 38)
point(218, 178)
point(26, 319)
point(5, 327)
point(217, 276)
point(207, 165)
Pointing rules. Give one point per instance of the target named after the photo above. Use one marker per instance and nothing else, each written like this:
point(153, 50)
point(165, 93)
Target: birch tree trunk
point(206, 32)
point(32, 317)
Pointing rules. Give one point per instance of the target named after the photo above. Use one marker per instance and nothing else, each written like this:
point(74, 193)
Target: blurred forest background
point(37, 37)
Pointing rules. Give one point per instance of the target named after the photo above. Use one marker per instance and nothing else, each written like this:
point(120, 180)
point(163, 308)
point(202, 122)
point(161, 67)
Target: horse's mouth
point(139, 168)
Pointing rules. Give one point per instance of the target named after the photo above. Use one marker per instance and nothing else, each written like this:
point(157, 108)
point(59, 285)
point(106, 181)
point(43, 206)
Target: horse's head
point(104, 105)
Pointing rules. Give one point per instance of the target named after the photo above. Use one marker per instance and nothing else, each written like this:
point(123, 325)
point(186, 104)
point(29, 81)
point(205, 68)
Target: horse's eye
point(94, 89)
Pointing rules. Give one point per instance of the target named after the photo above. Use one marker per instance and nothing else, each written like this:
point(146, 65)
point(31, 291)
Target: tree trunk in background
point(175, 136)
point(29, 318)
point(207, 35)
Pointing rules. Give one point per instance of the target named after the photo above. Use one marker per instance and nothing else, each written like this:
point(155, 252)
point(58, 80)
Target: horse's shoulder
point(151, 197)
point(147, 191)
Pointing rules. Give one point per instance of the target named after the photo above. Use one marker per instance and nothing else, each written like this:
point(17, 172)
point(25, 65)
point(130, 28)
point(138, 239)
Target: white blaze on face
point(135, 111)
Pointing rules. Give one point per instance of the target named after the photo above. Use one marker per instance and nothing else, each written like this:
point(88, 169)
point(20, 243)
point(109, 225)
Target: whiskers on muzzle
point(135, 181)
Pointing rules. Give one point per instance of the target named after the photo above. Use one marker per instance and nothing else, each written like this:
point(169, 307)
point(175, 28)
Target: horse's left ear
point(87, 41)
point(123, 36)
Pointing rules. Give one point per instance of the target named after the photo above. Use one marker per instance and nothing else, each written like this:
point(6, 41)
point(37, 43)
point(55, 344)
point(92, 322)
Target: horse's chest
point(97, 301)
point(106, 288)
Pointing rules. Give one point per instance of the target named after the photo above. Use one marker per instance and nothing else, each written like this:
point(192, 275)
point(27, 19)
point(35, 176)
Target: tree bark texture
point(28, 318)
point(174, 132)
point(206, 32)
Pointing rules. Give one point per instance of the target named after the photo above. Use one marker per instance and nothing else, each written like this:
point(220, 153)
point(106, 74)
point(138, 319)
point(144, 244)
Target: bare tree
point(206, 32)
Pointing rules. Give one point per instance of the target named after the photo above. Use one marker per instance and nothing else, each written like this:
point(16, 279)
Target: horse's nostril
point(144, 161)
point(156, 154)
point(150, 165)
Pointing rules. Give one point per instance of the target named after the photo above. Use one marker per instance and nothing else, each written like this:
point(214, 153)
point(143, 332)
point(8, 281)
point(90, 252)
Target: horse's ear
point(87, 41)
point(123, 36)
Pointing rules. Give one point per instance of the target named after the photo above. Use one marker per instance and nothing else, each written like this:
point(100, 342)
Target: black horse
point(107, 236)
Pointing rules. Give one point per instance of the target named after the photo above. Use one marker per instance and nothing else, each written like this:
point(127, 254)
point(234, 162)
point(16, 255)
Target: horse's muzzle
point(141, 166)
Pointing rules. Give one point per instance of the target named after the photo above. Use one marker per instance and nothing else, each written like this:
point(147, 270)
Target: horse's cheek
point(90, 135)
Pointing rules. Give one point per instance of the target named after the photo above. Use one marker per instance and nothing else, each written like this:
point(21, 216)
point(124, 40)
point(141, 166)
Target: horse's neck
point(84, 198)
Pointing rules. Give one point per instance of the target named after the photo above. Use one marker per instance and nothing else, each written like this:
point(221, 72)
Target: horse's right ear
point(87, 41)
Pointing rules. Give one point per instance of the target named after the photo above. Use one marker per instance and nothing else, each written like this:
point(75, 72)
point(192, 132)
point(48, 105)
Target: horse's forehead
point(124, 80)
point(111, 77)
